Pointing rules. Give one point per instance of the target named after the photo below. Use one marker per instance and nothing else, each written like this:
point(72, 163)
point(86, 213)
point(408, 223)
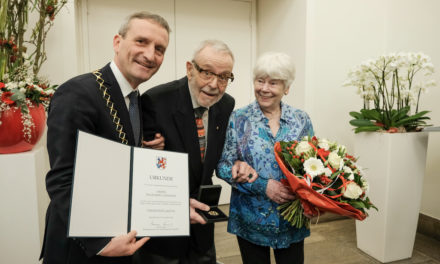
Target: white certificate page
point(100, 188)
point(160, 193)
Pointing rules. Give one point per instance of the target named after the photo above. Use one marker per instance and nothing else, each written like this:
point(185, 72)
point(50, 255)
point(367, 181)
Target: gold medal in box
point(210, 195)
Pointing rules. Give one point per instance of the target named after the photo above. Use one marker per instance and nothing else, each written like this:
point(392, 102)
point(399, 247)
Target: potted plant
point(24, 95)
point(391, 87)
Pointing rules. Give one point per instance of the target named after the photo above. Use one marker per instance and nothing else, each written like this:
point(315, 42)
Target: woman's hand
point(278, 192)
point(242, 172)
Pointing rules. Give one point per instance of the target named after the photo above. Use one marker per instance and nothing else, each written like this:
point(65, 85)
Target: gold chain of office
point(109, 103)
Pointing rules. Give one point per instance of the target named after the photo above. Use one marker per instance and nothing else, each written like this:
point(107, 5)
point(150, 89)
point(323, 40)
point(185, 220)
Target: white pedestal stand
point(23, 204)
point(394, 166)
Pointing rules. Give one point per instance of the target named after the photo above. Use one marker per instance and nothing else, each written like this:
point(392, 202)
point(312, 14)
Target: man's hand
point(194, 217)
point(157, 143)
point(278, 192)
point(242, 172)
point(123, 245)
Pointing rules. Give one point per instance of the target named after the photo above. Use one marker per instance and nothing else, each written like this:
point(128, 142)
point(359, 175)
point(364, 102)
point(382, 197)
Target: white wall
point(339, 34)
point(281, 26)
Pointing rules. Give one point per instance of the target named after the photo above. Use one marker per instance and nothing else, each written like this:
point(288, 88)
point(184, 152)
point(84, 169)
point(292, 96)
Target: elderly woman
point(251, 135)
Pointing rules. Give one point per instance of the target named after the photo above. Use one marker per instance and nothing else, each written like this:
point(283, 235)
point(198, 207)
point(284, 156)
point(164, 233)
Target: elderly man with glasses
point(192, 114)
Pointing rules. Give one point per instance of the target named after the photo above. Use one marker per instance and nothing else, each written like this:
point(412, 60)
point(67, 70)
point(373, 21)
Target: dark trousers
point(192, 257)
point(255, 254)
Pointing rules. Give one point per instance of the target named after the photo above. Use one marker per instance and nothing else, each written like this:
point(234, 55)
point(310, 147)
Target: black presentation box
point(210, 195)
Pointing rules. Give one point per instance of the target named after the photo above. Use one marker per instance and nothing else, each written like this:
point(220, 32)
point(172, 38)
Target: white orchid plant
point(391, 86)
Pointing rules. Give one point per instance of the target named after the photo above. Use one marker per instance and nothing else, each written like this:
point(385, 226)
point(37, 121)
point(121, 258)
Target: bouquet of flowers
point(324, 177)
point(21, 88)
point(391, 86)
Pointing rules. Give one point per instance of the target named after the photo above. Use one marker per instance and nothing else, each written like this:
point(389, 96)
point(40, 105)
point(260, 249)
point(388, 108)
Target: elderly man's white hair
point(217, 45)
point(275, 65)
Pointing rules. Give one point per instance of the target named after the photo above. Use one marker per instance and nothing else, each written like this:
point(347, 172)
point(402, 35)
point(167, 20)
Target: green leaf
point(412, 118)
point(372, 114)
point(361, 122)
point(366, 129)
point(402, 113)
point(357, 204)
point(356, 115)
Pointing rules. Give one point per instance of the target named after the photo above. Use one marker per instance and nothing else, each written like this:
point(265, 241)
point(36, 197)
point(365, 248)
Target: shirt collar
point(258, 115)
point(125, 86)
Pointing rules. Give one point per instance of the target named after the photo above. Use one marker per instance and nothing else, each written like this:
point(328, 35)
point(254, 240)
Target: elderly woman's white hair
point(275, 65)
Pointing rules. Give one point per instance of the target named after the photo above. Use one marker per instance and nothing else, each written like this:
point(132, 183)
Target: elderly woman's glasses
point(222, 79)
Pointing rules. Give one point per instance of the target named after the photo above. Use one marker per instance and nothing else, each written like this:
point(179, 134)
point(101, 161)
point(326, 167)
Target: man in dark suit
point(192, 114)
point(105, 103)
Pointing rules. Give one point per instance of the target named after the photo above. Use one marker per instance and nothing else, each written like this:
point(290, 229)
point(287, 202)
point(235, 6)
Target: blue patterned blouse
point(253, 216)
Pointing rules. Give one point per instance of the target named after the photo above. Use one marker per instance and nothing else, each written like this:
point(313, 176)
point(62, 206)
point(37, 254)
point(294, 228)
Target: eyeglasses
point(222, 79)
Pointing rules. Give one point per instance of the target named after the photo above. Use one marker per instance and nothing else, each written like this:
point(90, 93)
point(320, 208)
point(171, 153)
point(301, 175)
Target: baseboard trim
point(429, 226)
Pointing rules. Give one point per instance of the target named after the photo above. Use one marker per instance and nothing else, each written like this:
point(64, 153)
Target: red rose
point(6, 98)
point(2, 85)
point(12, 58)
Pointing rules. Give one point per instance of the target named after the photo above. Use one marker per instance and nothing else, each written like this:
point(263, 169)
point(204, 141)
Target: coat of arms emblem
point(161, 163)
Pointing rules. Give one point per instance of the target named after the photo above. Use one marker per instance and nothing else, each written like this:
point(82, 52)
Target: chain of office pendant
point(109, 103)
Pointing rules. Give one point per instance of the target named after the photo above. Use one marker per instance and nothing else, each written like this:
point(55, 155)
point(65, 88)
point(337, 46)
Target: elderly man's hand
point(242, 172)
point(278, 192)
point(157, 143)
point(123, 245)
point(194, 217)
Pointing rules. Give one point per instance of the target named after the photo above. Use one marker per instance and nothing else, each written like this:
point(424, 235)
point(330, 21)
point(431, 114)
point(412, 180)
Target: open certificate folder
point(118, 188)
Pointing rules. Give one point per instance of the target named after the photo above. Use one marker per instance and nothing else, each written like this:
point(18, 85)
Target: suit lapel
point(119, 103)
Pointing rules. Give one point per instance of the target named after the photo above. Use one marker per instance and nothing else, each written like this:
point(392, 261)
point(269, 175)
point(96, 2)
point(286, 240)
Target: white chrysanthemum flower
point(352, 191)
point(335, 160)
point(314, 167)
point(302, 147)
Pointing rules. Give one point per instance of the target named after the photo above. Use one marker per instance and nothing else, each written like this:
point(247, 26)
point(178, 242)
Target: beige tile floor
point(330, 242)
